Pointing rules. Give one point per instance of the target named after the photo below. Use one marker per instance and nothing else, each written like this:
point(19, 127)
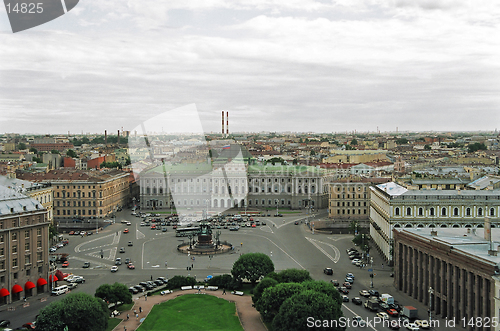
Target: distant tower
point(227, 123)
point(222, 123)
point(105, 137)
point(118, 142)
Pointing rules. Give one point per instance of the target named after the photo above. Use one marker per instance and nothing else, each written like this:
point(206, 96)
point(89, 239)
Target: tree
point(252, 266)
point(401, 141)
point(476, 147)
point(224, 281)
point(71, 153)
point(266, 282)
point(21, 146)
point(114, 293)
point(105, 293)
point(177, 282)
point(354, 142)
point(313, 152)
point(111, 165)
point(77, 312)
point(295, 312)
point(427, 147)
point(54, 151)
point(273, 297)
point(294, 276)
point(323, 287)
point(33, 150)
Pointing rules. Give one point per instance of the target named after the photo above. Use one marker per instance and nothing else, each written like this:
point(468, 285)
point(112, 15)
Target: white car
point(355, 261)
point(383, 315)
point(114, 269)
point(364, 293)
point(412, 327)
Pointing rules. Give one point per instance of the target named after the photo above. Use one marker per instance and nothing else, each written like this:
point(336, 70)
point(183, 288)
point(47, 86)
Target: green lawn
point(192, 312)
point(112, 323)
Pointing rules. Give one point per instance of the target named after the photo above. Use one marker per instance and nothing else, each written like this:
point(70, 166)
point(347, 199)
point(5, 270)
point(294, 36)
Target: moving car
point(328, 271)
point(424, 324)
point(125, 231)
point(114, 269)
point(383, 315)
point(393, 312)
point(86, 265)
point(65, 264)
point(360, 321)
point(4, 323)
point(345, 298)
point(130, 266)
point(130, 243)
point(364, 293)
point(357, 301)
point(122, 250)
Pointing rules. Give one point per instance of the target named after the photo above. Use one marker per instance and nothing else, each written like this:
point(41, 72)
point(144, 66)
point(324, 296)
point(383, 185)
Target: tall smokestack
point(227, 123)
point(105, 137)
point(118, 142)
point(222, 122)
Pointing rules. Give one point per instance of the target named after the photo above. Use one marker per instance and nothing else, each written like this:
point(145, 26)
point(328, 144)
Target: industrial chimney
point(222, 123)
point(227, 123)
point(105, 137)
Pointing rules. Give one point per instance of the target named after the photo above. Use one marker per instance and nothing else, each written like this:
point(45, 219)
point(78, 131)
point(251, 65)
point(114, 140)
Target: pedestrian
point(145, 297)
point(140, 309)
point(135, 311)
point(137, 317)
point(124, 328)
point(151, 277)
point(192, 265)
point(382, 266)
point(165, 264)
point(127, 317)
point(199, 290)
point(224, 291)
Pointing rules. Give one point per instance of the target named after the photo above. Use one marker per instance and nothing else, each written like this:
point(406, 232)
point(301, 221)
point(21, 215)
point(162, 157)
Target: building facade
point(453, 271)
point(393, 206)
point(24, 246)
point(84, 194)
point(203, 186)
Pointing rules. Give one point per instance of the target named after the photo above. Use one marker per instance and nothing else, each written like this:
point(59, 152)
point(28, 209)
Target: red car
point(131, 266)
point(71, 233)
point(125, 231)
point(65, 264)
point(392, 312)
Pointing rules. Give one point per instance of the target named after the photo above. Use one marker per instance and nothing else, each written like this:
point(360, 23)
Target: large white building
point(393, 206)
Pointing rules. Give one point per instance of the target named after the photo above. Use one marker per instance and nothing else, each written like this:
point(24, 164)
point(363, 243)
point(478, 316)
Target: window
point(39, 256)
point(420, 211)
point(408, 211)
point(14, 235)
point(480, 212)
point(467, 212)
point(27, 246)
point(396, 211)
point(492, 212)
point(431, 211)
point(14, 264)
point(455, 211)
point(2, 251)
point(27, 260)
point(443, 211)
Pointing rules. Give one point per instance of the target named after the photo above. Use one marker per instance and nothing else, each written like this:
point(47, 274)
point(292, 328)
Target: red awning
point(4, 292)
point(55, 278)
point(29, 285)
point(41, 282)
point(17, 288)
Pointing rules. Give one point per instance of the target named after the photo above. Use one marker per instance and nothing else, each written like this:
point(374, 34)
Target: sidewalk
point(249, 316)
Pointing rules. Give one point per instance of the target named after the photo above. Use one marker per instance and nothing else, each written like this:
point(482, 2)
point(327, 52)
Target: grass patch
point(125, 306)
point(247, 288)
point(193, 312)
point(112, 323)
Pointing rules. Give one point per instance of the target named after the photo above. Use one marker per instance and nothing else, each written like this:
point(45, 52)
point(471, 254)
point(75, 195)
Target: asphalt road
point(288, 245)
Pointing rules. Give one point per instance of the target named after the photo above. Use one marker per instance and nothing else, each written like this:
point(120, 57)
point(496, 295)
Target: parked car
point(343, 290)
point(4, 323)
point(424, 324)
point(72, 285)
point(133, 290)
point(335, 282)
point(328, 271)
point(347, 285)
point(349, 280)
point(350, 274)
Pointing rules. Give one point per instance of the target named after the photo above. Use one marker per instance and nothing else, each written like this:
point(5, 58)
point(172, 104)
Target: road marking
point(116, 240)
point(340, 237)
point(335, 249)
point(139, 234)
point(352, 311)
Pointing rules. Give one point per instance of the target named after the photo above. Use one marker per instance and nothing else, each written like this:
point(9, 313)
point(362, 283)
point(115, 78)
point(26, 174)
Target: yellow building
point(356, 156)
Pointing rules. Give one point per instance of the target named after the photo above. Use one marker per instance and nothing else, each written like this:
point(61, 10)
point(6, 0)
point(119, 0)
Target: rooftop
point(12, 202)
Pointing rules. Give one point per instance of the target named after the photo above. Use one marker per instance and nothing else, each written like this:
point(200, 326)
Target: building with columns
point(393, 206)
point(204, 186)
point(455, 271)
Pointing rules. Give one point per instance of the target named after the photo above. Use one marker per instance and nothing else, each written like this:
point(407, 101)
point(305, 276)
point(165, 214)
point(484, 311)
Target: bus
point(184, 232)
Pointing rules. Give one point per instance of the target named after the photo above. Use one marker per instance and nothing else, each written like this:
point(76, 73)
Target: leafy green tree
point(266, 282)
point(313, 152)
point(252, 267)
point(121, 292)
point(401, 141)
point(77, 312)
point(106, 293)
point(354, 141)
point(476, 147)
point(21, 146)
point(295, 311)
point(33, 150)
point(54, 151)
point(427, 147)
point(275, 160)
point(71, 153)
point(273, 297)
point(295, 162)
point(111, 165)
point(37, 160)
point(223, 281)
point(323, 287)
point(294, 276)
point(177, 282)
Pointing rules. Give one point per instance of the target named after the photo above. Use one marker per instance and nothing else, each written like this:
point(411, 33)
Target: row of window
point(348, 204)
point(14, 234)
point(77, 203)
point(444, 211)
point(15, 261)
point(349, 196)
point(81, 212)
point(77, 194)
point(350, 211)
point(255, 180)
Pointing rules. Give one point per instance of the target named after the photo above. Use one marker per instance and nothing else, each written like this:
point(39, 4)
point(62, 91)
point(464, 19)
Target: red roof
point(17, 288)
point(29, 285)
point(4, 292)
point(55, 278)
point(41, 282)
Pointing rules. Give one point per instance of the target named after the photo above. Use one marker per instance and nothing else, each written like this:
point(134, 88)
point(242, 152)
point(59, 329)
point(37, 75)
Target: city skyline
point(305, 66)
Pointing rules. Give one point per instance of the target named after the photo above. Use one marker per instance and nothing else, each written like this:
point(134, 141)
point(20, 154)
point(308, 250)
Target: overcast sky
point(275, 65)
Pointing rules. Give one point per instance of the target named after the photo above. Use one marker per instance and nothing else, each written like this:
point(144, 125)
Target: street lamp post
point(431, 292)
point(373, 275)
